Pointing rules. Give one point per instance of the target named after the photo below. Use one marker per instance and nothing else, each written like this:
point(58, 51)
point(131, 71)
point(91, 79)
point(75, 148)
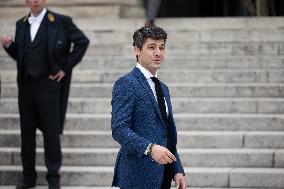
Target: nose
point(158, 52)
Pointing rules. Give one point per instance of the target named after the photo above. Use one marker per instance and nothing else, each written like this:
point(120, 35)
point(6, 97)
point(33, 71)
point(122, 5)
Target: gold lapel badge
point(50, 17)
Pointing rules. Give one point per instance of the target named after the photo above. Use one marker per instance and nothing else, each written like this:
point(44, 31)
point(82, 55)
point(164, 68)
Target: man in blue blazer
point(142, 120)
point(42, 49)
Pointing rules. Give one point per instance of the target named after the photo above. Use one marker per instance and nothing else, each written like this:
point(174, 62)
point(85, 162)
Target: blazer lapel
point(149, 91)
point(23, 28)
point(51, 32)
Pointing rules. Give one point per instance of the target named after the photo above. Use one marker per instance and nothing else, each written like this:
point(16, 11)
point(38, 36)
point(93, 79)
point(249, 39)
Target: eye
point(151, 47)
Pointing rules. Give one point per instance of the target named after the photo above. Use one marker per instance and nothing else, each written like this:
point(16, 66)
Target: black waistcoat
point(35, 54)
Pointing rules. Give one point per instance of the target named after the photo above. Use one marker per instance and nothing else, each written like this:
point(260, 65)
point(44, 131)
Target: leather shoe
point(24, 186)
point(54, 187)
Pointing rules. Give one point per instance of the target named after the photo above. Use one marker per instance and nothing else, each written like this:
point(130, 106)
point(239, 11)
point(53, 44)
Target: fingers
point(180, 181)
point(51, 77)
point(170, 155)
point(182, 184)
point(58, 76)
point(177, 184)
point(162, 155)
point(6, 41)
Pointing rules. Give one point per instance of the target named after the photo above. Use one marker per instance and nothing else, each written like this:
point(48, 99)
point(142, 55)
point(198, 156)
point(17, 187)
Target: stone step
point(176, 89)
point(174, 76)
point(196, 62)
point(93, 187)
point(71, 2)
point(184, 122)
point(103, 37)
point(106, 11)
point(189, 157)
point(187, 139)
point(180, 105)
point(195, 177)
point(210, 48)
point(189, 25)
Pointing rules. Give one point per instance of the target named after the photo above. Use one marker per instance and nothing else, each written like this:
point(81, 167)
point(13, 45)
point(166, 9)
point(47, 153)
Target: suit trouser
point(167, 178)
point(152, 9)
point(39, 106)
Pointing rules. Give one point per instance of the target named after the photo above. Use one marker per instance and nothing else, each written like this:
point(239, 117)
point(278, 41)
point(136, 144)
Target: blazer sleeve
point(80, 44)
point(123, 103)
point(177, 166)
point(12, 51)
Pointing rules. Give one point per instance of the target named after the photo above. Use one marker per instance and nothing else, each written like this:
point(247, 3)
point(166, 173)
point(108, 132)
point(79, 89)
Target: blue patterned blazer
point(136, 122)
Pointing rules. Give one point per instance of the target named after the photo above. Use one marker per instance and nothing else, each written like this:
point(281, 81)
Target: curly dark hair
point(142, 34)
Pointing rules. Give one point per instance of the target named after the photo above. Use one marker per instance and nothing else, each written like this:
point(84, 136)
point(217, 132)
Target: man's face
point(36, 6)
point(151, 55)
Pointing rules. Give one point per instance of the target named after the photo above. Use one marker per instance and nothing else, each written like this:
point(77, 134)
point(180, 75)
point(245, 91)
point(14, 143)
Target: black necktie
point(160, 99)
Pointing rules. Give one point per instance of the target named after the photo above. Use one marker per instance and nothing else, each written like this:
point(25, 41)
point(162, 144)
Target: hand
point(162, 155)
point(6, 41)
point(58, 76)
point(180, 181)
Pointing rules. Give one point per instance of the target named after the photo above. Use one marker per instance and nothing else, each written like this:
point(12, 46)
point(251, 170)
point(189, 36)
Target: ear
point(137, 51)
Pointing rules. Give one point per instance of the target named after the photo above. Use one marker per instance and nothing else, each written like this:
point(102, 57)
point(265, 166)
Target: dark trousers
point(39, 107)
point(152, 9)
point(167, 178)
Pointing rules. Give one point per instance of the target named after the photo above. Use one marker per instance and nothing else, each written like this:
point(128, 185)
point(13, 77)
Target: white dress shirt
point(35, 23)
point(148, 76)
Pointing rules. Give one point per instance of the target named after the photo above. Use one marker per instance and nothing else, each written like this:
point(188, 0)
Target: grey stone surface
point(206, 177)
point(93, 187)
point(188, 122)
point(189, 157)
point(264, 140)
point(180, 105)
point(96, 90)
point(73, 11)
point(279, 158)
point(70, 2)
point(194, 139)
point(175, 76)
point(203, 139)
point(175, 63)
point(216, 48)
point(226, 157)
point(102, 176)
point(271, 178)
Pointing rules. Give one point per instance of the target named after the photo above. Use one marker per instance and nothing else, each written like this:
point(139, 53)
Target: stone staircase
point(226, 81)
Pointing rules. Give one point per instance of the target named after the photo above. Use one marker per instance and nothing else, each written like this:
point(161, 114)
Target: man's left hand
point(180, 181)
point(58, 76)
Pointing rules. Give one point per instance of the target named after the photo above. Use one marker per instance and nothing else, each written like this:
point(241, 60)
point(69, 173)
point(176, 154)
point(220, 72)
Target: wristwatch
point(149, 149)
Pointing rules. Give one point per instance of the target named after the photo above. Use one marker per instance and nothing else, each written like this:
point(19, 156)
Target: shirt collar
point(40, 16)
point(145, 72)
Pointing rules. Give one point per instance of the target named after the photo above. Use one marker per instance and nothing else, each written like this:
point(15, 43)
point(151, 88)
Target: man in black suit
point(42, 49)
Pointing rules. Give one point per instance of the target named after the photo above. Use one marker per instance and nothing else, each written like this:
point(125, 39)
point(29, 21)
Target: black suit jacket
point(62, 32)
